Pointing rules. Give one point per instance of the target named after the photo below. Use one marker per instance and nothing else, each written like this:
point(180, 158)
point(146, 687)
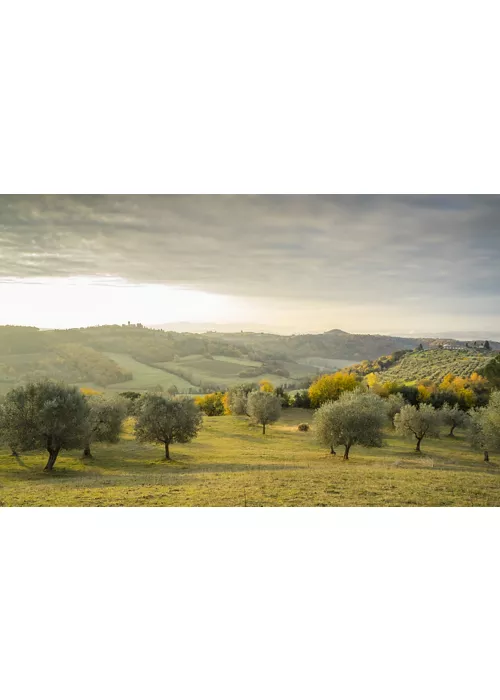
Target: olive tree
point(484, 426)
point(166, 420)
point(453, 417)
point(393, 404)
point(420, 422)
point(236, 399)
point(104, 422)
point(263, 408)
point(7, 438)
point(45, 414)
point(356, 418)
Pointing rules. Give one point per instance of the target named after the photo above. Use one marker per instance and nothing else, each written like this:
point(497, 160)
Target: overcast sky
point(405, 264)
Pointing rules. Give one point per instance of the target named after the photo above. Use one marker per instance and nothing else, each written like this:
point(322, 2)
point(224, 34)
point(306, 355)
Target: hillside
point(133, 357)
point(435, 364)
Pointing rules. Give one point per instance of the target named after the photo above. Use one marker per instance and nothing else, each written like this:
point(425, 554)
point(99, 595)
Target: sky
point(396, 264)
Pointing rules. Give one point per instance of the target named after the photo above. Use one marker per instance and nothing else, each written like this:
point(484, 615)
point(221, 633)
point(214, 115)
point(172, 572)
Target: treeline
point(52, 416)
point(382, 363)
point(466, 393)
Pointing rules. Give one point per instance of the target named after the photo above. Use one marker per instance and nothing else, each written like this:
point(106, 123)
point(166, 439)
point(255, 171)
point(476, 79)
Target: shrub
point(303, 427)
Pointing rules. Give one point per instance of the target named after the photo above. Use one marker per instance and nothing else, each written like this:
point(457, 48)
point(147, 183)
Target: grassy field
point(144, 377)
point(232, 464)
point(222, 371)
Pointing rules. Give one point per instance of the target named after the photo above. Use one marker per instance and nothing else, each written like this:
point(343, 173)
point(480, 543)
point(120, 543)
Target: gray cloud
point(408, 250)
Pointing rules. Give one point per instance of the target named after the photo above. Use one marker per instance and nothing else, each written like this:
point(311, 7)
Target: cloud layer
point(404, 251)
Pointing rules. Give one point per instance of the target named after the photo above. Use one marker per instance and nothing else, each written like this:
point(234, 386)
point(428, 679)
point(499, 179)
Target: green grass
point(232, 464)
point(327, 363)
point(203, 370)
point(144, 376)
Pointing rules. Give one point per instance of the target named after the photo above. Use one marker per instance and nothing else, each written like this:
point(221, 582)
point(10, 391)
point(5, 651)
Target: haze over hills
point(122, 357)
point(192, 327)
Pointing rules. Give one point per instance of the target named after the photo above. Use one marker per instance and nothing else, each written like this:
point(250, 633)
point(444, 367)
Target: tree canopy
point(329, 387)
point(263, 408)
point(357, 418)
point(484, 426)
point(421, 422)
point(45, 415)
point(104, 421)
point(167, 420)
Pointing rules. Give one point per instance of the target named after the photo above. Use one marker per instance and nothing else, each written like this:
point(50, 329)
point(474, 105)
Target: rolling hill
point(118, 358)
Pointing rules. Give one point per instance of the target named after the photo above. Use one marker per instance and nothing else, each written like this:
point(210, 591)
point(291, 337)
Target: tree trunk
point(52, 459)
point(263, 428)
point(332, 451)
point(346, 453)
point(486, 456)
point(13, 452)
point(417, 448)
point(167, 451)
point(452, 431)
point(87, 454)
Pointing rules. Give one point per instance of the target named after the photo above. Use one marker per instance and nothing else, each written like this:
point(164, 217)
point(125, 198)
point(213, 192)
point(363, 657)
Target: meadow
point(232, 464)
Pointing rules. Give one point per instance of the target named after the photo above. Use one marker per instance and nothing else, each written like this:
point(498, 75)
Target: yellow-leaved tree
point(329, 387)
point(266, 386)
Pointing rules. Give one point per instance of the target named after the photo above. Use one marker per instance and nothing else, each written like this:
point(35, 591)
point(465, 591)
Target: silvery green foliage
point(44, 415)
point(394, 403)
point(167, 420)
point(356, 418)
point(104, 420)
point(238, 403)
point(419, 423)
point(484, 426)
point(453, 417)
point(263, 408)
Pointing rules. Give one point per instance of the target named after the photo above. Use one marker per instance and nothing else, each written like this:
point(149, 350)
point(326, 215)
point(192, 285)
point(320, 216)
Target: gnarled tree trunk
point(53, 454)
point(87, 454)
point(263, 428)
point(332, 450)
point(417, 448)
point(486, 456)
point(346, 453)
point(167, 451)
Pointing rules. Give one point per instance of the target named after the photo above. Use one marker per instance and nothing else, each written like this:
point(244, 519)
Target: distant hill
point(132, 356)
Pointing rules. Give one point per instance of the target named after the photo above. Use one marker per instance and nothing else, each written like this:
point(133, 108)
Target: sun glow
point(83, 301)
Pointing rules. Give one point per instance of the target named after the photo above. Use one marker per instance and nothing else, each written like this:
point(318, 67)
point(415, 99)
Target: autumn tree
point(167, 420)
point(453, 417)
point(104, 422)
point(329, 387)
point(418, 422)
point(484, 426)
point(265, 385)
point(212, 404)
point(263, 408)
point(45, 415)
point(356, 418)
